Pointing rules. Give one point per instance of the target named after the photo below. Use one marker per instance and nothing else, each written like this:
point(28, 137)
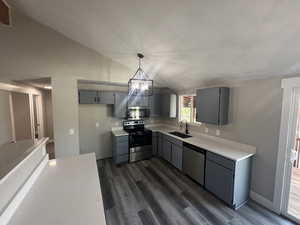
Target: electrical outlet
point(71, 131)
point(206, 130)
point(218, 132)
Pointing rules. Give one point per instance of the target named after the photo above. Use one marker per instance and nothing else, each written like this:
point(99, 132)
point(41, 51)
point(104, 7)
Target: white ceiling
point(186, 42)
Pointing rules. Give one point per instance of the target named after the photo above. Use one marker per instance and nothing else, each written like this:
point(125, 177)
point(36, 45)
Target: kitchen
point(159, 112)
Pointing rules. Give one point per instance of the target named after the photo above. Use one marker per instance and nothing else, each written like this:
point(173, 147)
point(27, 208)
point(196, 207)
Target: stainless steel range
point(140, 140)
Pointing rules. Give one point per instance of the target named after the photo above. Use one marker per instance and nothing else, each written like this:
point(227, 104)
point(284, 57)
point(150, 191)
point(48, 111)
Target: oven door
point(137, 140)
point(140, 146)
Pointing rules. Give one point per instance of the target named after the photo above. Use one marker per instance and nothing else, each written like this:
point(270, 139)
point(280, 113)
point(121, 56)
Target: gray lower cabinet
point(176, 158)
point(120, 104)
point(227, 179)
point(171, 150)
point(167, 150)
point(155, 143)
point(160, 145)
point(120, 150)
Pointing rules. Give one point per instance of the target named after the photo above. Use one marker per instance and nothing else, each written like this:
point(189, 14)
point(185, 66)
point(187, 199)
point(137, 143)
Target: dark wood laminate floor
point(153, 192)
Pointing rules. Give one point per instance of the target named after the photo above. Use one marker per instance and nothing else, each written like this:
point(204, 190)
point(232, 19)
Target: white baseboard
point(262, 201)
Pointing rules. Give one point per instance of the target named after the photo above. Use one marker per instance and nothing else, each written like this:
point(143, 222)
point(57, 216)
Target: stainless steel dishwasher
point(194, 162)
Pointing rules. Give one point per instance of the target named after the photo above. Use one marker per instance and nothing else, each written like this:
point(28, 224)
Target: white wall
point(255, 114)
point(31, 50)
point(5, 120)
point(92, 138)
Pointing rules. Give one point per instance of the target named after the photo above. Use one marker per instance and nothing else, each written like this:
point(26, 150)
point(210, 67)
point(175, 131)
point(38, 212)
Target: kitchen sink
point(179, 134)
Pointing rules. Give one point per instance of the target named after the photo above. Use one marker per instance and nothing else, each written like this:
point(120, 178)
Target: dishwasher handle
point(194, 148)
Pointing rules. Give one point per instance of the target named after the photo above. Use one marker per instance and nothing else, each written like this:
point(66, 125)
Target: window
point(187, 108)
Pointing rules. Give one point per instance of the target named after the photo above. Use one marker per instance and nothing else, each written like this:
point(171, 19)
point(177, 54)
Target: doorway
point(21, 116)
point(287, 197)
point(291, 200)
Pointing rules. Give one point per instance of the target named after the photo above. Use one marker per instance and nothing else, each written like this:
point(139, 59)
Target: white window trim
point(179, 110)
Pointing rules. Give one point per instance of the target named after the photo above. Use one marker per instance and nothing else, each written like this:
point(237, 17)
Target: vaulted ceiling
point(187, 42)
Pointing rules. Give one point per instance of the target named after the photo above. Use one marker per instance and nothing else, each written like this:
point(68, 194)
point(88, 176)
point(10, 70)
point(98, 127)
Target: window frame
point(192, 114)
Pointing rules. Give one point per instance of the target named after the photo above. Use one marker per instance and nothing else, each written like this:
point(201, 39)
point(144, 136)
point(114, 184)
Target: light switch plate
point(218, 132)
point(97, 124)
point(206, 130)
point(71, 131)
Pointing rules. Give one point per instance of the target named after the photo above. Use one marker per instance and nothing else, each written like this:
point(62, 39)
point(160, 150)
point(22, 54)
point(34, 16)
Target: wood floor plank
point(146, 217)
point(156, 208)
point(154, 192)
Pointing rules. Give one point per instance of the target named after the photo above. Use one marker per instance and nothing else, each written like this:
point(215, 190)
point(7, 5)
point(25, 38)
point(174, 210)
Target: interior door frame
point(291, 93)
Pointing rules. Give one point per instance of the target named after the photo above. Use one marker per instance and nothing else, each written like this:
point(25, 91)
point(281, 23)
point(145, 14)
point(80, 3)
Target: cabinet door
point(167, 150)
point(160, 145)
point(88, 97)
point(155, 105)
point(154, 145)
point(177, 156)
point(120, 106)
point(207, 105)
point(220, 181)
point(106, 97)
point(165, 105)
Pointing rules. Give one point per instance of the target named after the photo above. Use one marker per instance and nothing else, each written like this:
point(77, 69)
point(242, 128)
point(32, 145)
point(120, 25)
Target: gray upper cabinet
point(88, 97)
point(155, 105)
point(212, 105)
point(107, 97)
point(120, 104)
point(95, 97)
point(169, 105)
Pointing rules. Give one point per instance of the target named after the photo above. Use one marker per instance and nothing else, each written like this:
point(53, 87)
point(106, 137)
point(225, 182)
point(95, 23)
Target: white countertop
point(13, 153)
point(227, 148)
point(118, 131)
point(66, 193)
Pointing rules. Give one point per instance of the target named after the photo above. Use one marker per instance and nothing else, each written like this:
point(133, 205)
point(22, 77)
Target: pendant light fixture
point(140, 84)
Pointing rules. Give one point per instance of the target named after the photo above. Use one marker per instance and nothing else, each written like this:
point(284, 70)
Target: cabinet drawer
point(121, 138)
point(173, 140)
point(227, 163)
